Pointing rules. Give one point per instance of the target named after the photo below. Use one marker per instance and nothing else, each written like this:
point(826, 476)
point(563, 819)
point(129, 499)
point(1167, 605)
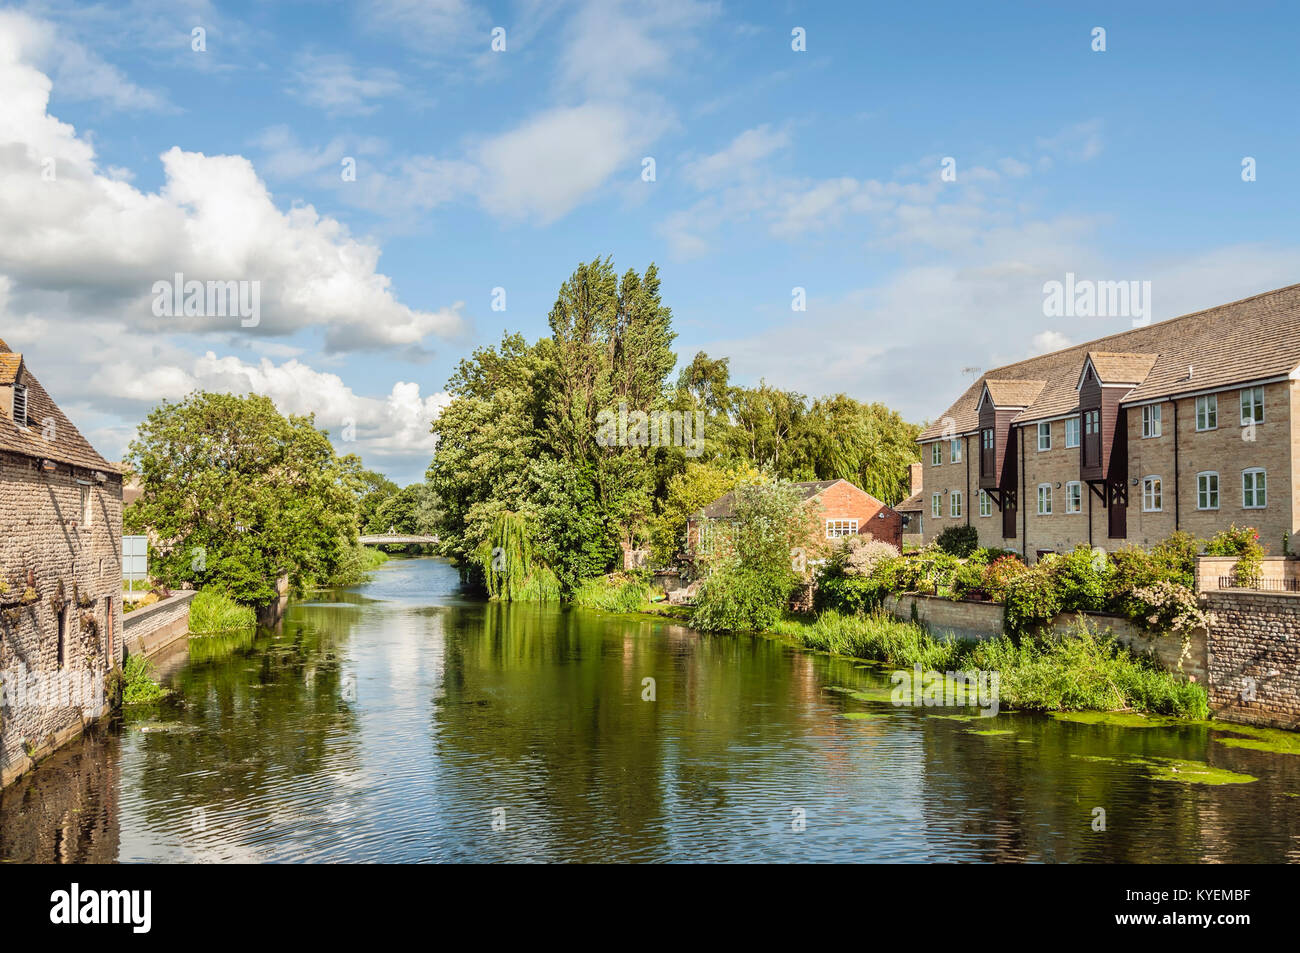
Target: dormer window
point(20, 405)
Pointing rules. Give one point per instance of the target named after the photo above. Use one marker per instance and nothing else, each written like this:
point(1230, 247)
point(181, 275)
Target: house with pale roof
point(1189, 424)
point(60, 572)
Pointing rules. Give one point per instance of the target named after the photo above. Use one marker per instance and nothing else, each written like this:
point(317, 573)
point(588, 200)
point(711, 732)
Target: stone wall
point(60, 604)
point(983, 620)
point(1254, 657)
point(149, 630)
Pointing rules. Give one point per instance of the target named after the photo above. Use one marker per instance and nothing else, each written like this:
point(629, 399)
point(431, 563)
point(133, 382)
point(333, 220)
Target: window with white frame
point(1207, 412)
point(986, 504)
point(954, 504)
point(1074, 497)
point(1252, 406)
point(954, 451)
point(1071, 431)
point(838, 528)
point(1045, 436)
point(936, 453)
point(1254, 489)
point(936, 505)
point(1044, 499)
point(1207, 490)
point(1151, 421)
point(1152, 498)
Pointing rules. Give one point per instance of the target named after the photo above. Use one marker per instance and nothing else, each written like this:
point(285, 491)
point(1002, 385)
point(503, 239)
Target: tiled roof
point(9, 365)
point(723, 506)
point(1014, 393)
point(1116, 367)
point(911, 505)
point(67, 445)
point(1253, 339)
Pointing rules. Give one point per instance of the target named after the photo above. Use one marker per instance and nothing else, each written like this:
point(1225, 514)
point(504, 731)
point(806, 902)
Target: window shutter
point(20, 405)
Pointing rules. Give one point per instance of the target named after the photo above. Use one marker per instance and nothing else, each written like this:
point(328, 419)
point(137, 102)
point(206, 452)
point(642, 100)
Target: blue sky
point(774, 169)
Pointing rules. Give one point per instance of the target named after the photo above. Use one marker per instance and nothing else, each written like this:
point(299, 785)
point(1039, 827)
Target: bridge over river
point(396, 539)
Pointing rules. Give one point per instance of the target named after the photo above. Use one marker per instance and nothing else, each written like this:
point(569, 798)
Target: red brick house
point(836, 508)
point(60, 573)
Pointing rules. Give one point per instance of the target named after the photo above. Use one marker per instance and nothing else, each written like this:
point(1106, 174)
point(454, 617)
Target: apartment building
point(1189, 424)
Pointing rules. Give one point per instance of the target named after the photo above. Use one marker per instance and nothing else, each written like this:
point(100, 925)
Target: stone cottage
point(60, 573)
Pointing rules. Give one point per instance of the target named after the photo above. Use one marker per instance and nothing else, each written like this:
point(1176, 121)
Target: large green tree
point(237, 494)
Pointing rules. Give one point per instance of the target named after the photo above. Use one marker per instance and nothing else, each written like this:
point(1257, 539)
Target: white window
point(936, 505)
point(1045, 436)
point(1254, 489)
point(1044, 499)
point(20, 405)
point(1207, 490)
point(954, 452)
point(936, 454)
point(1074, 497)
point(837, 528)
point(1252, 406)
point(1207, 412)
point(1151, 421)
point(986, 504)
point(1071, 431)
point(1152, 499)
point(954, 504)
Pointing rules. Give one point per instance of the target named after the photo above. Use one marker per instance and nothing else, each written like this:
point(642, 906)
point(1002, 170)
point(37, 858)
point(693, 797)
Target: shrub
point(1082, 580)
point(1000, 573)
point(876, 636)
point(958, 541)
point(1175, 558)
point(938, 569)
point(848, 594)
point(739, 597)
point(859, 555)
point(968, 581)
point(906, 574)
point(1031, 601)
point(1166, 607)
point(1233, 541)
point(212, 611)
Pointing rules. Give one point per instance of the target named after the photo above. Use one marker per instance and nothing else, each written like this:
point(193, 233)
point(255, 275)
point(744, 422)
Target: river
point(402, 721)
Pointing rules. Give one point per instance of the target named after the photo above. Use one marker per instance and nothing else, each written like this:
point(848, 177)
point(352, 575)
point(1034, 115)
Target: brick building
point(60, 572)
point(1190, 424)
point(836, 508)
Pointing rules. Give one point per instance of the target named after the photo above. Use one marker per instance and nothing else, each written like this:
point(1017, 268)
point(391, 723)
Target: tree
point(238, 495)
point(698, 485)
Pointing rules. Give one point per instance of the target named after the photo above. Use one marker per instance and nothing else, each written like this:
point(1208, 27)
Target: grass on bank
point(1080, 670)
point(138, 685)
point(212, 612)
point(613, 593)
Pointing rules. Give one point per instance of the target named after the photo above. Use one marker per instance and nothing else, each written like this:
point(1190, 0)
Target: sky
point(405, 180)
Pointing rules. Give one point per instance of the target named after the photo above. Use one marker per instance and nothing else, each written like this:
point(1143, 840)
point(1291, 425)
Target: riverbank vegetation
point(589, 441)
point(1083, 669)
point(138, 685)
point(213, 612)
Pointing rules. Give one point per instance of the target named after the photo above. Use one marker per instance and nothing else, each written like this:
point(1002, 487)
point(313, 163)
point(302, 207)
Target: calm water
point(399, 720)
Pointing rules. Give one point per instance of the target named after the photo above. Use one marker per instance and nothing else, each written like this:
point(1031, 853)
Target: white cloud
point(1079, 142)
point(331, 83)
point(737, 160)
point(616, 46)
point(101, 242)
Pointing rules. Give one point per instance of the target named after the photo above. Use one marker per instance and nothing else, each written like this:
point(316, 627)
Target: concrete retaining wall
point(149, 630)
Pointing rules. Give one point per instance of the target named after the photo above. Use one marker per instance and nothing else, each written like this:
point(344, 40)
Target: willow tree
point(510, 569)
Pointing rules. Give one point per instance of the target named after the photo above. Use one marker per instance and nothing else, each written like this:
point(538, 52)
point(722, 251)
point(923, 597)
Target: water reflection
point(405, 722)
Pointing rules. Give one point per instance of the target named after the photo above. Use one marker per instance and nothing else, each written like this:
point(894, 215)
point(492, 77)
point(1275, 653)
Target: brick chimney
point(915, 474)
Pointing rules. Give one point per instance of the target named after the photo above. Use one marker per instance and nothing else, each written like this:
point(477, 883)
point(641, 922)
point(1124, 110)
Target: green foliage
point(616, 592)
point(212, 611)
point(355, 562)
point(1032, 601)
point(412, 511)
point(749, 585)
point(509, 566)
point(969, 580)
point(138, 685)
point(1079, 670)
point(958, 541)
point(242, 495)
point(1233, 541)
point(1082, 580)
point(1165, 606)
point(699, 484)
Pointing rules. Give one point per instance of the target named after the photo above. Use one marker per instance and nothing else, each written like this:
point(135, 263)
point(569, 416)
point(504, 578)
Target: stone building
point(836, 508)
point(1190, 424)
point(60, 573)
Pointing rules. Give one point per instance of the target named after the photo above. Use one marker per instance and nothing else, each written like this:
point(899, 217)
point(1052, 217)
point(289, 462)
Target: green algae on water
point(1118, 719)
point(990, 731)
point(1194, 772)
point(1273, 740)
